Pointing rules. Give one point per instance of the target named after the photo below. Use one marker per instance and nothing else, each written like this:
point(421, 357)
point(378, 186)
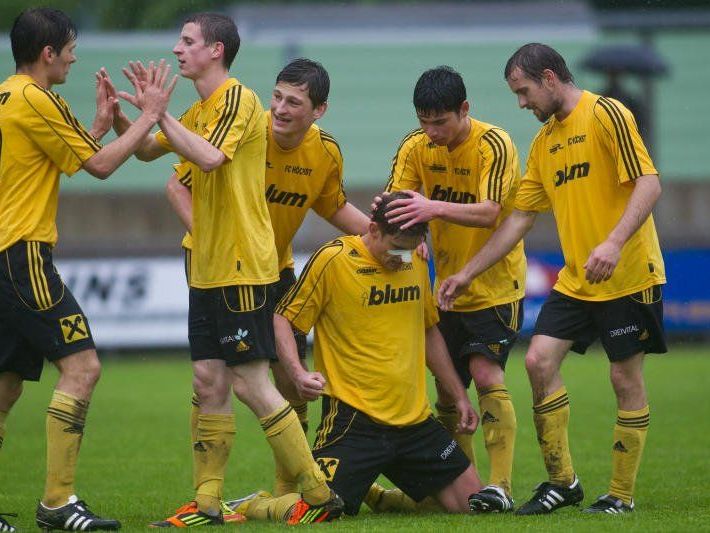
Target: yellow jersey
point(583, 168)
point(231, 230)
point(483, 167)
point(39, 139)
point(369, 340)
point(307, 176)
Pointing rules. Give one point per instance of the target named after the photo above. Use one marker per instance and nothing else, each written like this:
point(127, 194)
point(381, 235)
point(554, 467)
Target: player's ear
point(465, 108)
point(320, 110)
point(217, 50)
point(48, 54)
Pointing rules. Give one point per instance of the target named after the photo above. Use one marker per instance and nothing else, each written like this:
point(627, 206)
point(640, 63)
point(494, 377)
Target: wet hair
point(534, 58)
point(390, 228)
point(218, 28)
point(36, 28)
point(311, 73)
point(439, 90)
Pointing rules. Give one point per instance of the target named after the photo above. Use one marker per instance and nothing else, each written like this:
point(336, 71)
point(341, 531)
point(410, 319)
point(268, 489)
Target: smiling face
point(193, 55)
point(292, 111)
point(61, 63)
point(447, 128)
point(539, 97)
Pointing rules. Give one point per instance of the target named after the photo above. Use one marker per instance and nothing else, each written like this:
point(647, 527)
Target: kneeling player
point(370, 303)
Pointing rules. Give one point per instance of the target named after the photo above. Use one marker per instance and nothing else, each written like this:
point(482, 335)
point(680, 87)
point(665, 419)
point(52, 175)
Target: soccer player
point(588, 165)
point(468, 172)
point(304, 170)
point(369, 300)
point(233, 268)
point(39, 318)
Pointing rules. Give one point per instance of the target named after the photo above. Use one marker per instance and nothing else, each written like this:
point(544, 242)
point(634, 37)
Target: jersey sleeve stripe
point(390, 182)
point(228, 108)
point(228, 116)
point(186, 180)
point(621, 128)
point(495, 181)
point(70, 119)
point(293, 291)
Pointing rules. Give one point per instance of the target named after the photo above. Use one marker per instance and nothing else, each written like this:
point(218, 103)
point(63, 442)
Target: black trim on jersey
point(231, 109)
point(412, 134)
point(327, 137)
point(67, 116)
point(500, 152)
point(186, 179)
point(623, 135)
point(291, 294)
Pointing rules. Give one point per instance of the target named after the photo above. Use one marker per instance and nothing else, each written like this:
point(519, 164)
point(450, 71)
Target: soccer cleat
point(549, 498)
point(306, 513)
point(229, 516)
point(610, 505)
point(74, 516)
point(240, 505)
point(190, 516)
point(4, 524)
point(490, 499)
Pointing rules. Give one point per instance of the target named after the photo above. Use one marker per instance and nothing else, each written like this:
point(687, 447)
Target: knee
point(10, 392)
point(626, 383)
point(209, 387)
point(86, 375)
point(485, 372)
point(242, 389)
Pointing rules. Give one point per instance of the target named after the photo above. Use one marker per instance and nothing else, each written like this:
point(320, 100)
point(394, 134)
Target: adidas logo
point(619, 447)
point(199, 446)
point(77, 429)
point(488, 418)
point(353, 253)
point(242, 346)
point(644, 335)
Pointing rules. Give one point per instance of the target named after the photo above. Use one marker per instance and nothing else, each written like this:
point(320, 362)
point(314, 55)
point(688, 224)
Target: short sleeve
point(184, 171)
point(431, 314)
point(185, 120)
point(57, 131)
point(531, 195)
point(234, 117)
point(302, 305)
point(404, 175)
point(332, 196)
point(620, 134)
point(498, 166)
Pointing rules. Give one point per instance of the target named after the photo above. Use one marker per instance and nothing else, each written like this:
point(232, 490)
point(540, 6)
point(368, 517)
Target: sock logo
point(328, 466)
point(199, 446)
point(488, 418)
point(73, 328)
point(77, 429)
point(619, 447)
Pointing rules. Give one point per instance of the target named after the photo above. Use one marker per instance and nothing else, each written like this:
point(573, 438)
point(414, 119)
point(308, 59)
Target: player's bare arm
point(308, 384)
point(419, 208)
point(180, 198)
point(350, 220)
point(498, 246)
point(439, 363)
point(604, 258)
point(153, 97)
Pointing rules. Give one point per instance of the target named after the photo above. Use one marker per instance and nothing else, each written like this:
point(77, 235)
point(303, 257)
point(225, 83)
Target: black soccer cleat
point(548, 498)
point(5, 525)
point(74, 516)
point(490, 499)
point(610, 505)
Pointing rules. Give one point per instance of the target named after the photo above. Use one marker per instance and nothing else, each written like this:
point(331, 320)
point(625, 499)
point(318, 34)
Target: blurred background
point(119, 244)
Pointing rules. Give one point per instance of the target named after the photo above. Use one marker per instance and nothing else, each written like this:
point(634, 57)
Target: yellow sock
point(66, 416)
point(301, 408)
point(283, 482)
point(194, 416)
point(449, 418)
point(551, 417)
point(215, 434)
point(382, 500)
point(499, 428)
point(629, 440)
point(3, 418)
point(274, 509)
point(286, 438)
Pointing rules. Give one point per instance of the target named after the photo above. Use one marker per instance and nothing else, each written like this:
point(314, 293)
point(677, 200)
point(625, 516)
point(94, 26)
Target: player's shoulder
point(414, 140)
point(325, 256)
point(327, 141)
point(490, 133)
point(42, 100)
point(607, 109)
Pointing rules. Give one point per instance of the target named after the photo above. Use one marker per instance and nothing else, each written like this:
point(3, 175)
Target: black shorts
point(491, 332)
point(287, 279)
point(352, 450)
point(626, 326)
point(39, 316)
point(234, 323)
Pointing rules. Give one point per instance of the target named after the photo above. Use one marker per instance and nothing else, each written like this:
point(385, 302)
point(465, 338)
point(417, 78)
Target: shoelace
point(81, 505)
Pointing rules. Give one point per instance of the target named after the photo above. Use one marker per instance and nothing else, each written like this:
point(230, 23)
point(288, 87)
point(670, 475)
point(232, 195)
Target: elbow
point(212, 162)
point(490, 216)
point(99, 171)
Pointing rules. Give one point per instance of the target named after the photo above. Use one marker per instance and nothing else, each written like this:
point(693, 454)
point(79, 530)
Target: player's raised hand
point(377, 200)
point(601, 262)
point(451, 288)
point(468, 421)
point(105, 103)
point(309, 385)
point(412, 210)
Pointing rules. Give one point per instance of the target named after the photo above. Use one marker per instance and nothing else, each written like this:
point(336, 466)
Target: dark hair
point(533, 58)
point(390, 228)
point(218, 28)
point(439, 90)
point(36, 28)
point(311, 73)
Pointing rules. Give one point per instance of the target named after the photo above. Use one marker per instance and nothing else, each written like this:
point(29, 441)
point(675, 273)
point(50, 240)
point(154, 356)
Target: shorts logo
point(495, 348)
point(238, 338)
point(328, 466)
point(633, 328)
point(74, 328)
point(644, 335)
point(448, 450)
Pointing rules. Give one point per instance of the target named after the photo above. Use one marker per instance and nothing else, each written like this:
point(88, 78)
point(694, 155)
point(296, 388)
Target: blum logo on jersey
point(292, 199)
point(450, 195)
point(391, 295)
point(576, 171)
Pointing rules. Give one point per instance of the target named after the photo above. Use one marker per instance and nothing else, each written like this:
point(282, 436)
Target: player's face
point(292, 111)
point(394, 250)
point(446, 129)
point(533, 95)
point(59, 69)
point(193, 55)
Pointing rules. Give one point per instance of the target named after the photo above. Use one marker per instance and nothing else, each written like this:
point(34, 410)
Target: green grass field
point(136, 463)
